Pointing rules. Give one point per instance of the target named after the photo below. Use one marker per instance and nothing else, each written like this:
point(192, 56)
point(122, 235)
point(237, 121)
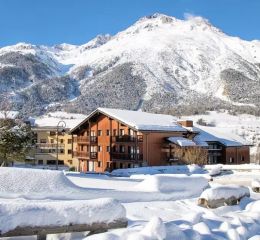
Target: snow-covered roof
point(53, 118)
point(143, 120)
point(181, 141)
point(8, 114)
point(213, 134)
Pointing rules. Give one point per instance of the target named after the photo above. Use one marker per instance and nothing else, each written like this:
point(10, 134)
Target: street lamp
point(62, 125)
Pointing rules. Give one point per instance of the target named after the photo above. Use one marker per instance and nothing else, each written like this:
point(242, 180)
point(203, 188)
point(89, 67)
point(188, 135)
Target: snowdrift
point(170, 183)
point(59, 213)
point(36, 183)
point(180, 169)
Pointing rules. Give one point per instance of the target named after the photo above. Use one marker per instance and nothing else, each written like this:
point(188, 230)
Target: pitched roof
point(213, 134)
point(141, 121)
point(144, 121)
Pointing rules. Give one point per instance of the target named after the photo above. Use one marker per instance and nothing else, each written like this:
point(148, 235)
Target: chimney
point(186, 123)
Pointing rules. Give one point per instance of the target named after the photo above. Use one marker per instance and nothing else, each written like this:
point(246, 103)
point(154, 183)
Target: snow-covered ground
point(157, 207)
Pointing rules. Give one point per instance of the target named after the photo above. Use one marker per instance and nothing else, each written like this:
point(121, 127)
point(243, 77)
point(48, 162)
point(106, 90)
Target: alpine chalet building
point(112, 138)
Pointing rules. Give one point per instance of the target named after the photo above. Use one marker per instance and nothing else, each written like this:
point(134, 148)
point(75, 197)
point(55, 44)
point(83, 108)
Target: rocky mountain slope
point(158, 64)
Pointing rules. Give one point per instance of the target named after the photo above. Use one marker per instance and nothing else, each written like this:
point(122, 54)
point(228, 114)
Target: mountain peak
point(158, 16)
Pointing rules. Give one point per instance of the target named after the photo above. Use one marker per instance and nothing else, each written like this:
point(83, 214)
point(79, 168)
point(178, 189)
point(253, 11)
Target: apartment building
point(111, 138)
point(47, 147)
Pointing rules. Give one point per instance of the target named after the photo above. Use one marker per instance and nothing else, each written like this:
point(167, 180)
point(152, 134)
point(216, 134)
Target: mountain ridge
point(158, 64)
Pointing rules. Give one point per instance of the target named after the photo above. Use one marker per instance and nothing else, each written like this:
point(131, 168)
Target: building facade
point(47, 146)
point(110, 139)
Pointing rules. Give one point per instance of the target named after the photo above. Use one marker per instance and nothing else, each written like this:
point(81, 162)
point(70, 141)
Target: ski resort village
point(150, 133)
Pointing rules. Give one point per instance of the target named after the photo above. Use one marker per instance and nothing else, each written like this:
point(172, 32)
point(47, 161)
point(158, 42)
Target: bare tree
point(191, 155)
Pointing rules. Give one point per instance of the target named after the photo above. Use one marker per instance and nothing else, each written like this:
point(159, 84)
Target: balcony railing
point(49, 145)
point(81, 154)
point(127, 138)
point(86, 139)
point(127, 156)
point(84, 154)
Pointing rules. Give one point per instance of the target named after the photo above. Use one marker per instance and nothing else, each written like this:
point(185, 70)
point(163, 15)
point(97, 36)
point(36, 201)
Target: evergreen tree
point(16, 140)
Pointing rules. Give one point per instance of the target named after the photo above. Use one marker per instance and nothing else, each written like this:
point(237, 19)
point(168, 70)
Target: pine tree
point(16, 140)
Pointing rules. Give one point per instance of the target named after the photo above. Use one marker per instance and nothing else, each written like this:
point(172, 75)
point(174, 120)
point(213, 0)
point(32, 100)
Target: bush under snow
point(223, 195)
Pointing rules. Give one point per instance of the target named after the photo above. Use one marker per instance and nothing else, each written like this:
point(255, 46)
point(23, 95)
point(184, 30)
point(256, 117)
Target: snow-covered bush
point(223, 195)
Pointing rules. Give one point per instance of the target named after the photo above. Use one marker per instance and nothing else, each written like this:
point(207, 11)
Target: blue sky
point(52, 22)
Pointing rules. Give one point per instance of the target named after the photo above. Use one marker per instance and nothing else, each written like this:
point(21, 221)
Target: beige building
point(47, 145)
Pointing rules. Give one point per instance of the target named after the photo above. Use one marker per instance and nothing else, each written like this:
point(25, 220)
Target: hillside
point(158, 64)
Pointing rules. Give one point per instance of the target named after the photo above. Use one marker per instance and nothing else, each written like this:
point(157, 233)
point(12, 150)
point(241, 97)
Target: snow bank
point(178, 169)
point(155, 229)
point(60, 213)
point(255, 183)
point(170, 183)
point(34, 182)
point(253, 206)
point(245, 167)
point(216, 170)
point(225, 192)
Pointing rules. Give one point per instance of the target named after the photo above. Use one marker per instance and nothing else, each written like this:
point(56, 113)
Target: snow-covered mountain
point(160, 63)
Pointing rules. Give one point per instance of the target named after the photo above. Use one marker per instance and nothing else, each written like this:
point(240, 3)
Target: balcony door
point(91, 166)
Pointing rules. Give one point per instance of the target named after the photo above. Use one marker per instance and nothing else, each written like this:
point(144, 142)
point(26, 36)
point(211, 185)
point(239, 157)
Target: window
point(61, 141)
point(231, 159)
point(242, 158)
point(40, 162)
point(52, 140)
point(69, 151)
point(52, 133)
point(129, 165)
point(121, 149)
point(69, 141)
point(99, 132)
point(108, 165)
point(61, 151)
point(114, 148)
point(43, 141)
point(51, 162)
point(108, 148)
point(108, 132)
point(99, 164)
point(100, 148)
point(114, 132)
point(81, 148)
point(122, 132)
point(70, 161)
point(121, 165)
point(61, 162)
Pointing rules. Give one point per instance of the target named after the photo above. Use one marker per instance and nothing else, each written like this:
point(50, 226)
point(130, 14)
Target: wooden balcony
point(85, 139)
point(85, 154)
point(127, 139)
point(49, 145)
point(81, 154)
point(127, 156)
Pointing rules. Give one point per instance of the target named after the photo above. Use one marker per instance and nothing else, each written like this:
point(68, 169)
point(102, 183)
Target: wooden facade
point(103, 143)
